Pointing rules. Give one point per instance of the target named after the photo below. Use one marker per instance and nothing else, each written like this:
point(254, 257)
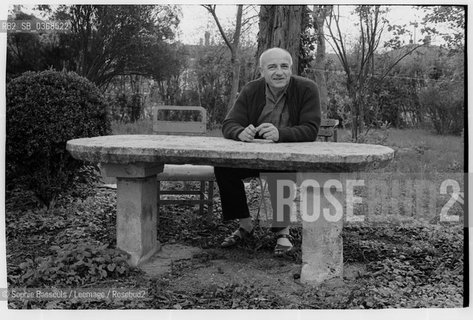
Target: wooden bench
point(204, 175)
point(328, 129)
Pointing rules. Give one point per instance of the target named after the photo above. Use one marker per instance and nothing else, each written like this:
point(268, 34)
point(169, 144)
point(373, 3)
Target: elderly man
point(279, 107)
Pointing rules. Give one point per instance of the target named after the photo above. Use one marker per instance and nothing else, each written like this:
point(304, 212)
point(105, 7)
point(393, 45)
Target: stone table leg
point(322, 224)
point(137, 188)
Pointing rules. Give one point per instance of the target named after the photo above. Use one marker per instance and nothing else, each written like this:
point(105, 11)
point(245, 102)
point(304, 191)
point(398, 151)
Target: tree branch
point(399, 60)
point(211, 9)
point(338, 42)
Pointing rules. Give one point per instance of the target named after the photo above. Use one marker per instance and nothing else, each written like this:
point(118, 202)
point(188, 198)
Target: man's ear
point(260, 70)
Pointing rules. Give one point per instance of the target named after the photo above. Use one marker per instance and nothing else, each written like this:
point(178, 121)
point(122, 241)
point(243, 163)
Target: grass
point(422, 151)
point(143, 126)
point(426, 160)
point(418, 150)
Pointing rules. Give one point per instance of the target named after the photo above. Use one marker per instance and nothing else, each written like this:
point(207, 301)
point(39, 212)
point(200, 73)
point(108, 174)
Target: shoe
point(234, 238)
point(280, 250)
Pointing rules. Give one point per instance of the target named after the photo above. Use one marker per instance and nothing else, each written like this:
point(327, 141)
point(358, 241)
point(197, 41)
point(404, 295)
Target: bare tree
point(233, 46)
point(359, 67)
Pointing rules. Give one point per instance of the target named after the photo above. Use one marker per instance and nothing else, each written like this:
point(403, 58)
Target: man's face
point(276, 69)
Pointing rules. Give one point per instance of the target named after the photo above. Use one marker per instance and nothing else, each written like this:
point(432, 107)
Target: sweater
point(302, 101)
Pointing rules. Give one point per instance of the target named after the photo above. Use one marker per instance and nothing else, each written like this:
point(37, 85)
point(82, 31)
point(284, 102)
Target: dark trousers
point(233, 196)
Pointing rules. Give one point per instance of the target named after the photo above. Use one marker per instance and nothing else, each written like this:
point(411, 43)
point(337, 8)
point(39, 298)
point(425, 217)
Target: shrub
point(126, 108)
point(74, 265)
point(444, 103)
point(44, 111)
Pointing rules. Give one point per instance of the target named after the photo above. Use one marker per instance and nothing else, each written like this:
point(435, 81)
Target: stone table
point(136, 159)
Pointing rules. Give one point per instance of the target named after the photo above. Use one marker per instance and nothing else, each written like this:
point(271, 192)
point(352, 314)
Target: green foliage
point(384, 87)
point(44, 111)
point(73, 265)
point(307, 43)
point(104, 41)
point(395, 98)
point(409, 265)
point(453, 17)
point(338, 99)
point(393, 101)
point(444, 104)
point(213, 81)
point(31, 221)
point(63, 246)
point(379, 136)
point(126, 108)
point(358, 65)
point(25, 51)
point(125, 39)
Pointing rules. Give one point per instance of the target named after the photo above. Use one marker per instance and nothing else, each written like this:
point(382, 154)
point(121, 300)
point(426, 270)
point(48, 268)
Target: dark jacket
point(302, 101)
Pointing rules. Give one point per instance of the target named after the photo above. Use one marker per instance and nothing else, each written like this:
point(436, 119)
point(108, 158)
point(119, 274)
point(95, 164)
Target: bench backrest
point(192, 127)
point(327, 126)
point(327, 129)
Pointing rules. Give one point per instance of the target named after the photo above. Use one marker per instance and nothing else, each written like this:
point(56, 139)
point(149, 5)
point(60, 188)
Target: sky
point(196, 20)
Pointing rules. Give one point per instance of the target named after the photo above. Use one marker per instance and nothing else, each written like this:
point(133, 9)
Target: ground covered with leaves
point(403, 264)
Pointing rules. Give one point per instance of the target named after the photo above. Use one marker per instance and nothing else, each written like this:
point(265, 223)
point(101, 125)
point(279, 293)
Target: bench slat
point(328, 122)
point(186, 172)
point(203, 174)
point(180, 127)
point(191, 192)
point(171, 127)
point(186, 201)
point(326, 132)
point(327, 129)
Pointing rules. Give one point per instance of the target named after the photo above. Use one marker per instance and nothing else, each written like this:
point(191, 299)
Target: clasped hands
point(266, 130)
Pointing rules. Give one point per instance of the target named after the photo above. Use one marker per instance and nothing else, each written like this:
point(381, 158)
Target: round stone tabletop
point(217, 151)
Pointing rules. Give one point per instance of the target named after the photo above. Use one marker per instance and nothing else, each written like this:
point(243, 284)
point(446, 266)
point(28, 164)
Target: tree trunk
point(280, 26)
point(235, 83)
point(319, 14)
point(354, 108)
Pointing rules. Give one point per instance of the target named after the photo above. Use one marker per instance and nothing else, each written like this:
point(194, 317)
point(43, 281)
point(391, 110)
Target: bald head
point(276, 68)
point(274, 52)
